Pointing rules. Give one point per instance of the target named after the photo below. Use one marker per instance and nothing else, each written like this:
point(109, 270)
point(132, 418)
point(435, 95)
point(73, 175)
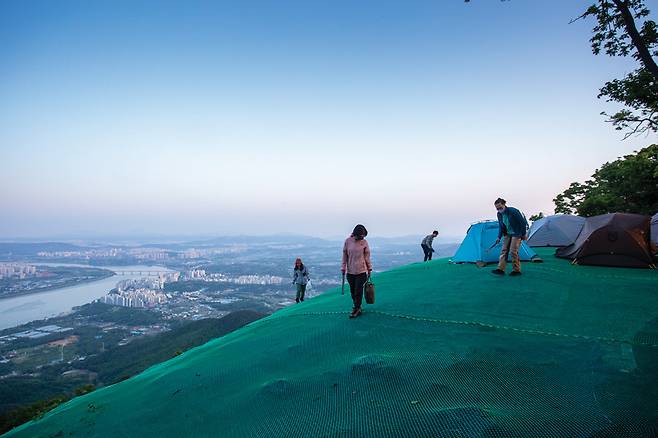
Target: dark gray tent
point(556, 230)
point(614, 239)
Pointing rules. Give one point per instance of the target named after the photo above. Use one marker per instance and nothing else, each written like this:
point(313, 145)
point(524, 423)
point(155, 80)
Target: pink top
point(356, 256)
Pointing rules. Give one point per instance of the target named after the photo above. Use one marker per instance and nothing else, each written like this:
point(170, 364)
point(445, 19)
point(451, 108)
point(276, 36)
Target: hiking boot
point(355, 312)
point(498, 272)
point(297, 300)
point(514, 273)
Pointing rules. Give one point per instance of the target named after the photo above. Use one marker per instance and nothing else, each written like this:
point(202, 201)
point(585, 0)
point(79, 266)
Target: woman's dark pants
point(356, 282)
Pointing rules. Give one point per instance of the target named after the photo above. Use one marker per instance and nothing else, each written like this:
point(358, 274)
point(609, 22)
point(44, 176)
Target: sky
point(307, 117)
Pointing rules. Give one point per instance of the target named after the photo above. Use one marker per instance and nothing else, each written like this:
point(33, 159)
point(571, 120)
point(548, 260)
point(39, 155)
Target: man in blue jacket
point(514, 227)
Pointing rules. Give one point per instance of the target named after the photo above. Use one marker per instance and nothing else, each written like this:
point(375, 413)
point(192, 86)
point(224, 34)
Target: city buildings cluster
point(149, 254)
point(141, 292)
point(16, 270)
point(142, 254)
point(141, 297)
point(92, 253)
point(258, 279)
point(200, 274)
point(168, 277)
point(194, 253)
point(222, 278)
point(36, 333)
point(138, 283)
point(195, 274)
point(149, 282)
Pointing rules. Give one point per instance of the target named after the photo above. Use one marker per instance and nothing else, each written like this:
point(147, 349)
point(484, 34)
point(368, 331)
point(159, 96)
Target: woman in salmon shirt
point(356, 262)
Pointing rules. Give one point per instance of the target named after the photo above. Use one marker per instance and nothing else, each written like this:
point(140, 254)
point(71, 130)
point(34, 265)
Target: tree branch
point(640, 46)
point(651, 123)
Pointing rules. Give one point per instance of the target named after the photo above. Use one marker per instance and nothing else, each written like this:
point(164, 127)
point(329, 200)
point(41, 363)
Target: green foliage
point(118, 314)
point(627, 185)
point(26, 399)
point(622, 28)
point(536, 217)
point(568, 201)
point(9, 420)
point(610, 32)
point(639, 92)
point(84, 389)
point(19, 416)
point(128, 360)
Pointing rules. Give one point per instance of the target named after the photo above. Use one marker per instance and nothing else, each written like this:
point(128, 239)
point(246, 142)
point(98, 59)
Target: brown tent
point(615, 239)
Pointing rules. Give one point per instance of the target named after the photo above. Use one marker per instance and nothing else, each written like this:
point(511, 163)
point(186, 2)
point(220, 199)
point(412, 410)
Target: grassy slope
point(448, 350)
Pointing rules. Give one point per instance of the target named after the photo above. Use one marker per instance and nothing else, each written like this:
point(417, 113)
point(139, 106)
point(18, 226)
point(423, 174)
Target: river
point(25, 308)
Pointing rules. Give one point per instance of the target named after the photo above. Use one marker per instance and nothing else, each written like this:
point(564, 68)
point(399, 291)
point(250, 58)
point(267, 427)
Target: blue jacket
point(516, 220)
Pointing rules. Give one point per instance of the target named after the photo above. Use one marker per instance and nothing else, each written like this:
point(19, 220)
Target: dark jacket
point(516, 220)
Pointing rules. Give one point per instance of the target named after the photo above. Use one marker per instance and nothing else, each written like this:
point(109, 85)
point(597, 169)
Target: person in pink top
point(356, 262)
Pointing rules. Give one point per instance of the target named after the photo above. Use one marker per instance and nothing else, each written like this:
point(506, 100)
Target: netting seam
point(486, 325)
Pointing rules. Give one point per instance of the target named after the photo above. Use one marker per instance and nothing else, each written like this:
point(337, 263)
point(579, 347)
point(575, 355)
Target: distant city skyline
point(134, 118)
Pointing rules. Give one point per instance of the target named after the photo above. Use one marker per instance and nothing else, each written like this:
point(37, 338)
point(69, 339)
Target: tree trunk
point(642, 50)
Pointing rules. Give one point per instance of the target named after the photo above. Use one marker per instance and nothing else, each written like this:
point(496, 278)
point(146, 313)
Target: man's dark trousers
point(428, 252)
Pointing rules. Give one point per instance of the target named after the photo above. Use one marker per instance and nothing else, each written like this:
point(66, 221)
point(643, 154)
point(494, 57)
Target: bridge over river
point(143, 273)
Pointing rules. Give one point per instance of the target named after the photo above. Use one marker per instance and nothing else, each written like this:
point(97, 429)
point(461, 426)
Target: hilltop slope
point(447, 350)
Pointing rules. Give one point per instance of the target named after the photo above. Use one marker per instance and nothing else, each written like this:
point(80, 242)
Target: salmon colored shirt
point(356, 256)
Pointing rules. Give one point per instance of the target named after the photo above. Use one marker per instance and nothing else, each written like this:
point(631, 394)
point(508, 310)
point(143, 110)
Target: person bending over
point(426, 244)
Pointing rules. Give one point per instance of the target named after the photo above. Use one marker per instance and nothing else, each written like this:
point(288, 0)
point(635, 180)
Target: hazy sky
point(126, 117)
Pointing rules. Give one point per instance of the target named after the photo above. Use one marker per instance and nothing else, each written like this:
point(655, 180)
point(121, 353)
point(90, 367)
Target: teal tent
point(478, 245)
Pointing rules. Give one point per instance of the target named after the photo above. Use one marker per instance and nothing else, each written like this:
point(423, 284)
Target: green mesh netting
point(447, 351)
